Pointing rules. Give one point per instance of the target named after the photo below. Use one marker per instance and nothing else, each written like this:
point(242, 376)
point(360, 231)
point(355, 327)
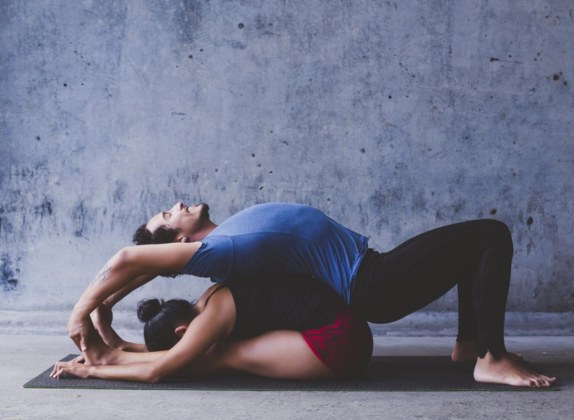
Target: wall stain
point(79, 218)
point(494, 59)
point(458, 207)
point(557, 77)
point(237, 45)
point(119, 192)
point(8, 279)
point(44, 209)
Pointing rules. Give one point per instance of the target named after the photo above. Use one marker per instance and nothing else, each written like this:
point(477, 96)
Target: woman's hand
point(79, 359)
point(70, 368)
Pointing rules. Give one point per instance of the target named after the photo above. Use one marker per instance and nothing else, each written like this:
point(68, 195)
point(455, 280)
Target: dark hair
point(162, 235)
point(161, 319)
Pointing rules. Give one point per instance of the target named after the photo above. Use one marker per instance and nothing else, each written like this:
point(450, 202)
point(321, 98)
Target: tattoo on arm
point(101, 276)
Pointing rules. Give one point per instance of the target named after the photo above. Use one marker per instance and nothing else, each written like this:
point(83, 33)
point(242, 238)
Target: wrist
point(80, 311)
point(114, 356)
point(108, 303)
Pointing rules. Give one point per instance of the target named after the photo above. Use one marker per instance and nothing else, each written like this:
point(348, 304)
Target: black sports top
point(282, 304)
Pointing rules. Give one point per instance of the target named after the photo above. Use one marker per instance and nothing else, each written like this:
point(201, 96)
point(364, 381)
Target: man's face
point(188, 220)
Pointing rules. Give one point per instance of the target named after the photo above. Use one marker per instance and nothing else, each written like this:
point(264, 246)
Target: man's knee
point(499, 233)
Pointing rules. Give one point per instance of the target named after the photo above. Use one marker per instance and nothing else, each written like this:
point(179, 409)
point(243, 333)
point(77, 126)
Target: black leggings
point(475, 255)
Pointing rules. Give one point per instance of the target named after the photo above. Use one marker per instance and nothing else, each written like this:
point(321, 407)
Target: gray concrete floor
point(24, 356)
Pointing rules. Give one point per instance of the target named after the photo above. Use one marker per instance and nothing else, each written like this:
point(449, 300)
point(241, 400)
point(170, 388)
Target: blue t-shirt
point(281, 238)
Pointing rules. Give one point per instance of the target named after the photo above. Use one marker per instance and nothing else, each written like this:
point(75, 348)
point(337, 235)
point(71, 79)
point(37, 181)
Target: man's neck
point(204, 231)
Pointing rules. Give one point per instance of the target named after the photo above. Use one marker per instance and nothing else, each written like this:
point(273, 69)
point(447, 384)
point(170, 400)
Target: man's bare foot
point(507, 370)
point(467, 352)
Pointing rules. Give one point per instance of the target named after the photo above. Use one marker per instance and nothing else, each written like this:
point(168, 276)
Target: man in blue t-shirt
point(265, 239)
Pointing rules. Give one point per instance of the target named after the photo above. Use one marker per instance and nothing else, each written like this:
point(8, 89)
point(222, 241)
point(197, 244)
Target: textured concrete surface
point(419, 324)
point(392, 117)
point(23, 357)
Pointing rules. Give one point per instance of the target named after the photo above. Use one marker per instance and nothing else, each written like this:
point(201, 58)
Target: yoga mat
point(385, 373)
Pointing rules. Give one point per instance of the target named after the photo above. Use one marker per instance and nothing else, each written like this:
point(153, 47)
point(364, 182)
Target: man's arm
point(129, 264)
point(137, 282)
point(102, 317)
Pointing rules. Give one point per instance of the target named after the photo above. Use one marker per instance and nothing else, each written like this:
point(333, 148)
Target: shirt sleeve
point(214, 259)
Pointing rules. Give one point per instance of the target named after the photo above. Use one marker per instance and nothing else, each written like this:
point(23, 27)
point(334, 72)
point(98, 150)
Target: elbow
point(126, 260)
point(153, 376)
point(153, 379)
point(123, 257)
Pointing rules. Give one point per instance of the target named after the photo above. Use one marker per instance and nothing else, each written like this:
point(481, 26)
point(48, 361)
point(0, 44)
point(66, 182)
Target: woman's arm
point(128, 264)
point(213, 324)
point(135, 283)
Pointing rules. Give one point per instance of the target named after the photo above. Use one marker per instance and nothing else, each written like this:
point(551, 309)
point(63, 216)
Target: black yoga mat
point(385, 373)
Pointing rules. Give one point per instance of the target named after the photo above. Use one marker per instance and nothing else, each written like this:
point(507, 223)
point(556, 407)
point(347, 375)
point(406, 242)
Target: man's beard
point(204, 211)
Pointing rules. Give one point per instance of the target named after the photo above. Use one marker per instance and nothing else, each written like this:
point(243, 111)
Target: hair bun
point(149, 308)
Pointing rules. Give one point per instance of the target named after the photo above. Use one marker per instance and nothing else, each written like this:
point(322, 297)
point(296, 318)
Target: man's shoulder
point(269, 217)
point(283, 211)
point(279, 205)
point(274, 209)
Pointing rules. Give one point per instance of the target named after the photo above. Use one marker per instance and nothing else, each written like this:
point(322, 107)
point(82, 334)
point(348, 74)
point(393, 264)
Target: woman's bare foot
point(507, 370)
point(467, 352)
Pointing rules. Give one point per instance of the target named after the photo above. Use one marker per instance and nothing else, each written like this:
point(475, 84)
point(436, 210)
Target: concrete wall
point(392, 117)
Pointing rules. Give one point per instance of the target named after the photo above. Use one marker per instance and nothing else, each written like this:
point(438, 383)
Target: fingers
point(79, 359)
point(58, 370)
point(68, 368)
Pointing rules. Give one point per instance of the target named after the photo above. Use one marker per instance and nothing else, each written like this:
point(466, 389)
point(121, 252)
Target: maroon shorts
point(345, 345)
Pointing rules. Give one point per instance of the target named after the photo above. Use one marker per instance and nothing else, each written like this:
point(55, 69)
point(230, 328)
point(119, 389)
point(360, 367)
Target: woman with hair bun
point(295, 329)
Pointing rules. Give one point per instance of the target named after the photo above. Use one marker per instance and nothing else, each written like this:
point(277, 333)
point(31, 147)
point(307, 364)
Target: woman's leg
point(276, 354)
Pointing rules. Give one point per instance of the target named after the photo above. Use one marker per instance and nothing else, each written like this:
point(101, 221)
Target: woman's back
point(290, 303)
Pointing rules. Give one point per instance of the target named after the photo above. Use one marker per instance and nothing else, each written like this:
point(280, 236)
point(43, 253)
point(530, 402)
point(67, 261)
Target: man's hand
point(80, 330)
